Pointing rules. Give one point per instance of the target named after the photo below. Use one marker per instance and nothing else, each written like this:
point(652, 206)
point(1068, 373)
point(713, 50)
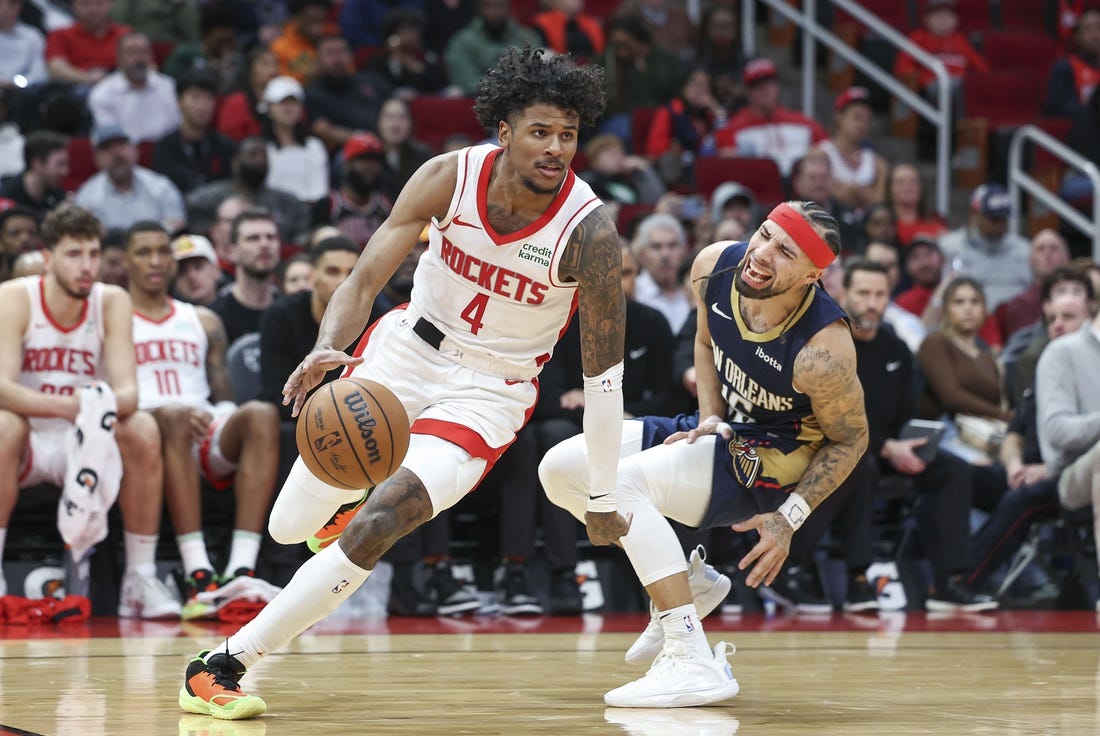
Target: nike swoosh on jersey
point(458, 221)
point(891, 367)
point(714, 308)
point(635, 354)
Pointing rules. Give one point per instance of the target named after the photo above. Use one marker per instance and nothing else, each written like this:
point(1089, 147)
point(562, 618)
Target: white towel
point(93, 471)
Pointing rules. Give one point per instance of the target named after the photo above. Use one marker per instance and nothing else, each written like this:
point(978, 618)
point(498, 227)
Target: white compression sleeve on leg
point(603, 430)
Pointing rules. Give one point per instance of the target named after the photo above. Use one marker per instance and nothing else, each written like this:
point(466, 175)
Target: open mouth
point(550, 170)
point(755, 277)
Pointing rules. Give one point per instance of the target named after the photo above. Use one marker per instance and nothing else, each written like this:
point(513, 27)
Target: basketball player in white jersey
point(59, 332)
point(516, 242)
point(182, 371)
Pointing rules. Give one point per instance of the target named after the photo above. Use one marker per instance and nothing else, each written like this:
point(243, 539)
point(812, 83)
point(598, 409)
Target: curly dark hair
point(71, 221)
point(525, 76)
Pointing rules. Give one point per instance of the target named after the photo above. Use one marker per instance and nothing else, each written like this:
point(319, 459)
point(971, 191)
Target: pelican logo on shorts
point(87, 479)
point(746, 461)
point(365, 422)
point(327, 442)
point(340, 586)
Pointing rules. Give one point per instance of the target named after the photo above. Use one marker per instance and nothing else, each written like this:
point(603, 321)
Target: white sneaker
point(665, 721)
point(678, 679)
point(146, 597)
point(708, 588)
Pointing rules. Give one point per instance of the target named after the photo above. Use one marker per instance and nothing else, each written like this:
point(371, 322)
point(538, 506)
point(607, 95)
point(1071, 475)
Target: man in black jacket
point(195, 153)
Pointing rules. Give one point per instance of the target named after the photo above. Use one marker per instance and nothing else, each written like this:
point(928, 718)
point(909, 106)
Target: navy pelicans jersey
point(498, 295)
point(775, 432)
point(56, 359)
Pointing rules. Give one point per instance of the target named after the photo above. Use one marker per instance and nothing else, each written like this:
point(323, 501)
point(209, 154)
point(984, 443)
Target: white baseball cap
point(280, 88)
point(193, 246)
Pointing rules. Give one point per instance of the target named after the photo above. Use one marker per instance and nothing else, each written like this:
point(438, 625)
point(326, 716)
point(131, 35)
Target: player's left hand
point(607, 527)
point(770, 552)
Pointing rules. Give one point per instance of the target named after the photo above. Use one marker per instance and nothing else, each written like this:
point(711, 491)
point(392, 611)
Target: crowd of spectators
point(306, 110)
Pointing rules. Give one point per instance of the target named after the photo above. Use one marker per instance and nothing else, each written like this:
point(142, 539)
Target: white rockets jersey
point(171, 359)
point(58, 360)
point(496, 295)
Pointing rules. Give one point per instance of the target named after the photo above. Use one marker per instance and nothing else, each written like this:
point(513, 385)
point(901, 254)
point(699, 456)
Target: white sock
point(192, 546)
point(243, 552)
point(141, 553)
point(320, 585)
point(683, 623)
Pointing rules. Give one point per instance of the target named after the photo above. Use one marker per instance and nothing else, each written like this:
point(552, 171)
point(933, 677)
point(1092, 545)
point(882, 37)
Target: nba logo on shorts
point(688, 625)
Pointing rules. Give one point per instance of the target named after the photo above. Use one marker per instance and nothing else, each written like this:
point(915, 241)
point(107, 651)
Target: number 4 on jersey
point(474, 312)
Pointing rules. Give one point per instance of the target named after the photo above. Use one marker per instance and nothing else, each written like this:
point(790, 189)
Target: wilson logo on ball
point(357, 405)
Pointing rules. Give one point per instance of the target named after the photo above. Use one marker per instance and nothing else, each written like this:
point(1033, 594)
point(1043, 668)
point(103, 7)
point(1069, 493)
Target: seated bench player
point(181, 366)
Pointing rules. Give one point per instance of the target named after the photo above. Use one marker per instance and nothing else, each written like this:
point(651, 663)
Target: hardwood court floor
point(1007, 673)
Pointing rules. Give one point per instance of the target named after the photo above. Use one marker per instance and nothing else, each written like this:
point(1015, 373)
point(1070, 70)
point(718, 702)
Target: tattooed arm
point(593, 259)
point(426, 195)
point(825, 370)
point(217, 369)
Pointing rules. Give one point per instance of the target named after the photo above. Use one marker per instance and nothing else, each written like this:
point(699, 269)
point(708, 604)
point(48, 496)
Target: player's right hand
point(310, 372)
point(199, 422)
point(607, 527)
point(710, 425)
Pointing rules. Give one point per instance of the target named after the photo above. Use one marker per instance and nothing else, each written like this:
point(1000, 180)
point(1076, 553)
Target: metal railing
point(939, 115)
point(1019, 179)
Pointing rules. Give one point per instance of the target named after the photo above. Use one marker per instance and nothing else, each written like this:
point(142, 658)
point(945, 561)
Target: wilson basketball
point(353, 433)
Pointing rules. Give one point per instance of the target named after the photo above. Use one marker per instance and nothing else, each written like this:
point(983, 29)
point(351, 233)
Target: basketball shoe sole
point(708, 589)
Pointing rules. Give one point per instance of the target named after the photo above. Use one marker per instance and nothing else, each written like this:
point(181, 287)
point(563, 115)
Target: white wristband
point(795, 510)
point(602, 503)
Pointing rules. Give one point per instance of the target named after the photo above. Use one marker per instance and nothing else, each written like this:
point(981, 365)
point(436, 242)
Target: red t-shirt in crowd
point(954, 51)
point(86, 50)
point(236, 118)
point(906, 231)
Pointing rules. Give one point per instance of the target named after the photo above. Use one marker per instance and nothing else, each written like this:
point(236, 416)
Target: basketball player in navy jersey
point(516, 242)
point(783, 424)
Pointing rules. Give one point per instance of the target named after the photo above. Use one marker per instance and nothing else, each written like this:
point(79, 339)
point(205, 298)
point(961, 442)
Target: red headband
point(803, 234)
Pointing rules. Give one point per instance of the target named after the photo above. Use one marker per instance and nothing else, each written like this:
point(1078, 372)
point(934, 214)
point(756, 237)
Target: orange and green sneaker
point(331, 531)
point(211, 688)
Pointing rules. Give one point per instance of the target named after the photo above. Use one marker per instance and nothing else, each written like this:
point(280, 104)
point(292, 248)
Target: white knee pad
point(563, 471)
point(447, 471)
